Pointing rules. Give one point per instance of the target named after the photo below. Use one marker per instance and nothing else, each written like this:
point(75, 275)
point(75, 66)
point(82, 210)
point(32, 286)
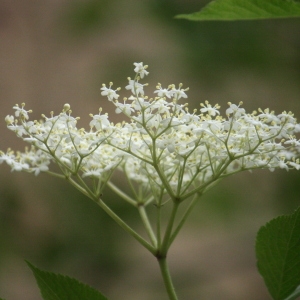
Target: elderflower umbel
point(160, 145)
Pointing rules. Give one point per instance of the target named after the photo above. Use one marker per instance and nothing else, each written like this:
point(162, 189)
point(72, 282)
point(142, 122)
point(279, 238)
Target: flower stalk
point(167, 278)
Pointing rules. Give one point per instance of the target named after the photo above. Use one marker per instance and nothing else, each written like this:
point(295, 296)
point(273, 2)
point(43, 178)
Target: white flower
point(109, 92)
point(9, 157)
point(139, 103)
point(140, 69)
point(163, 146)
point(178, 93)
point(9, 120)
point(20, 112)
point(163, 92)
point(234, 109)
point(135, 87)
point(100, 122)
point(125, 108)
point(40, 168)
point(211, 110)
point(294, 164)
point(19, 166)
point(283, 164)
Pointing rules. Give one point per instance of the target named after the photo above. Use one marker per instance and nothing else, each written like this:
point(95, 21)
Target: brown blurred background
point(60, 51)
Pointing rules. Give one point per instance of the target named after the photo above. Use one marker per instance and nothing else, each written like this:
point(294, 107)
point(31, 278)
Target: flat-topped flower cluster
point(161, 144)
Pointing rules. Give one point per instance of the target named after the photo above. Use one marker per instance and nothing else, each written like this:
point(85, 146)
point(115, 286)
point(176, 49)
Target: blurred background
point(60, 51)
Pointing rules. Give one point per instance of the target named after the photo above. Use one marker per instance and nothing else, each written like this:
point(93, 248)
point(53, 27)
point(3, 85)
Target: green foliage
point(59, 287)
point(231, 10)
point(278, 256)
point(295, 294)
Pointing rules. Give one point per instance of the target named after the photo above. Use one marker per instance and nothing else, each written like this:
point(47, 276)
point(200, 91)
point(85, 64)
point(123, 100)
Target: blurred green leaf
point(231, 10)
point(59, 287)
point(278, 255)
point(295, 294)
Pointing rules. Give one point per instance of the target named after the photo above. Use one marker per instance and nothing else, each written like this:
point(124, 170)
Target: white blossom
point(163, 92)
point(211, 110)
point(109, 92)
point(160, 144)
point(135, 87)
point(140, 69)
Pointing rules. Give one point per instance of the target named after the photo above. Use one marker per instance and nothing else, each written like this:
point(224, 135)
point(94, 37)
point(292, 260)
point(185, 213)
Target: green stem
point(167, 237)
point(167, 278)
point(127, 228)
point(121, 193)
point(184, 217)
point(158, 226)
point(147, 225)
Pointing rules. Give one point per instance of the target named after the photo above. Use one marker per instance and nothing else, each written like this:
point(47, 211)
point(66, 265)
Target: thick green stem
point(167, 278)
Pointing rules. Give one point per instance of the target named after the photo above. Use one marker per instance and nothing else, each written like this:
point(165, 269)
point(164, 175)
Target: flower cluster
point(162, 145)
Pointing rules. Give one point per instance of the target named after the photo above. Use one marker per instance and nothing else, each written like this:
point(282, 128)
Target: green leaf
point(278, 256)
point(59, 287)
point(231, 10)
point(295, 294)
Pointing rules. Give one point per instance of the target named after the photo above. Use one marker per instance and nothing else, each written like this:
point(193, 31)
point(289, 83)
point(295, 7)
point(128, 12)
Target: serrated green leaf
point(58, 287)
point(231, 10)
point(278, 255)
